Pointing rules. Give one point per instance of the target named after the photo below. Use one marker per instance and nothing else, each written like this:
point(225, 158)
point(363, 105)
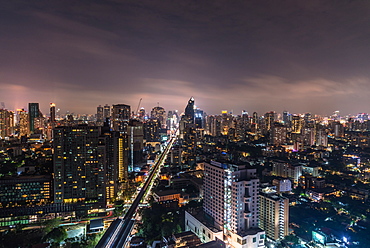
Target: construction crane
point(138, 106)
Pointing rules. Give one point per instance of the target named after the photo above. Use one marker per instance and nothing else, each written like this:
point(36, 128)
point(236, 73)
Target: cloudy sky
point(301, 56)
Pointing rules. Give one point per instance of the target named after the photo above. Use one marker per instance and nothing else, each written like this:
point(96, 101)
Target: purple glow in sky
point(300, 56)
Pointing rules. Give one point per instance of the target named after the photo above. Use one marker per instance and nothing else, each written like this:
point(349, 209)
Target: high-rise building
point(172, 120)
point(136, 143)
point(338, 129)
point(33, 112)
point(116, 159)
point(273, 214)
point(79, 173)
point(39, 125)
point(321, 138)
point(269, 120)
point(189, 111)
point(99, 116)
point(151, 130)
point(160, 114)
point(287, 118)
point(287, 170)
point(52, 112)
point(106, 112)
point(296, 124)
point(6, 123)
point(214, 125)
point(120, 116)
point(308, 136)
point(231, 201)
point(199, 118)
point(278, 134)
point(255, 122)
point(23, 128)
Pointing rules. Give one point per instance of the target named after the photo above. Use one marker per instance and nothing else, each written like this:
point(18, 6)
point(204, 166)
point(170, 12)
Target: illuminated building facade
point(25, 191)
point(231, 199)
point(6, 123)
point(273, 214)
point(106, 112)
point(136, 142)
point(116, 160)
point(278, 134)
point(99, 115)
point(120, 116)
point(269, 120)
point(151, 130)
point(189, 111)
point(321, 138)
point(287, 170)
point(199, 118)
point(22, 127)
point(52, 113)
point(159, 114)
point(33, 112)
point(79, 174)
point(296, 124)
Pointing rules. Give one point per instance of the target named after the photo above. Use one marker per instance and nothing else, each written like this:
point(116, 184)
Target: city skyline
point(255, 55)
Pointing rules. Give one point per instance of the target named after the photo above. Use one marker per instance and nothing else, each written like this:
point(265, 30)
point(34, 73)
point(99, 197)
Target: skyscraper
point(274, 214)
point(199, 118)
point(136, 143)
point(99, 116)
point(78, 165)
point(33, 112)
point(151, 130)
point(269, 120)
point(120, 117)
point(6, 123)
point(116, 159)
point(231, 201)
point(23, 128)
point(160, 114)
point(296, 124)
point(52, 112)
point(106, 112)
point(278, 134)
point(189, 111)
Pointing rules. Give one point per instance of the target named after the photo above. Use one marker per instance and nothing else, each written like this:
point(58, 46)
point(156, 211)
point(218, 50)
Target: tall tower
point(278, 134)
point(116, 159)
point(99, 115)
point(199, 118)
point(269, 120)
point(189, 110)
point(255, 122)
point(106, 112)
point(160, 114)
point(33, 112)
point(231, 199)
point(52, 112)
point(6, 123)
point(120, 117)
point(274, 214)
point(78, 165)
point(296, 124)
point(23, 127)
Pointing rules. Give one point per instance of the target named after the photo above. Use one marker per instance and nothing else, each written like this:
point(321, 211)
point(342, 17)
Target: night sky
point(301, 56)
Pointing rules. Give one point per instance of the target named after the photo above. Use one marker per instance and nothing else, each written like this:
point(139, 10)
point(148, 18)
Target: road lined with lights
point(117, 233)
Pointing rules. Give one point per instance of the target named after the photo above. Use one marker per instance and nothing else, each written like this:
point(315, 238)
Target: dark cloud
point(254, 55)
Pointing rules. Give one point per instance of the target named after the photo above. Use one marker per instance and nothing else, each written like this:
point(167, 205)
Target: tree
point(50, 225)
point(58, 235)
